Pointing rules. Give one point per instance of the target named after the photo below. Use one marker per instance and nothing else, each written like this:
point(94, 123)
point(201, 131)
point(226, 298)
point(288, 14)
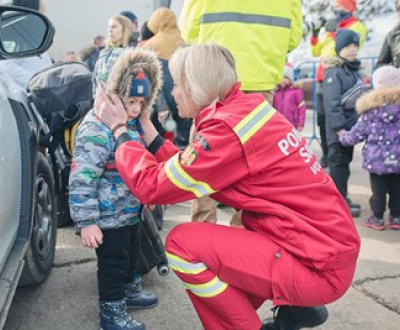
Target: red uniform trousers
point(229, 272)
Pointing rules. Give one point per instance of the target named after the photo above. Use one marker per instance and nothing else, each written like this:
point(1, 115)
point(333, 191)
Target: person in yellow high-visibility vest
point(258, 35)
point(324, 46)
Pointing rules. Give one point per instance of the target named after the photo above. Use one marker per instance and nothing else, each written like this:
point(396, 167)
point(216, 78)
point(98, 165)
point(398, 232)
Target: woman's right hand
point(91, 236)
point(109, 110)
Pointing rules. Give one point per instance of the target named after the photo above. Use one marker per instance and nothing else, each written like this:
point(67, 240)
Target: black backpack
point(63, 95)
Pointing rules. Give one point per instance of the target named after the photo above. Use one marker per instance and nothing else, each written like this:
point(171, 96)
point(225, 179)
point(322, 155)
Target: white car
point(28, 217)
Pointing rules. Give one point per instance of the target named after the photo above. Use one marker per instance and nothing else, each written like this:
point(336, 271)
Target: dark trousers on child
point(340, 158)
point(117, 260)
point(382, 185)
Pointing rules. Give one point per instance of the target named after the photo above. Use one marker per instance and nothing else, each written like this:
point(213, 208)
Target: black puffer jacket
point(340, 76)
point(390, 51)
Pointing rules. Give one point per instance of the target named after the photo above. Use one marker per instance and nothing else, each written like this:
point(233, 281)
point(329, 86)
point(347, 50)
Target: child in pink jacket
point(289, 99)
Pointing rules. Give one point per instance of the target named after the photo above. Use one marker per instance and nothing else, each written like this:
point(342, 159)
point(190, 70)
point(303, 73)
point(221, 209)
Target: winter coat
point(166, 37)
point(379, 126)
point(260, 49)
point(289, 101)
point(390, 51)
point(340, 76)
point(97, 194)
point(104, 64)
point(89, 56)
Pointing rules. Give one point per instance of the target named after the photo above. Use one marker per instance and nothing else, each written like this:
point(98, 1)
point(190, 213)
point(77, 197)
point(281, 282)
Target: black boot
point(114, 316)
point(351, 204)
point(355, 209)
point(136, 298)
point(295, 318)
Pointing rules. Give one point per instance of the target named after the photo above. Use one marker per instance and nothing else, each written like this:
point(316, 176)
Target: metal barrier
point(313, 66)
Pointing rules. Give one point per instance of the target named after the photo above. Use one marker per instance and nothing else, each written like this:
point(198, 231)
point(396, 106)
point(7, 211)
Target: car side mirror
point(24, 32)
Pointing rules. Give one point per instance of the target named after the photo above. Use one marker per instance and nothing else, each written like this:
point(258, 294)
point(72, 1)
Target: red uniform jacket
point(247, 155)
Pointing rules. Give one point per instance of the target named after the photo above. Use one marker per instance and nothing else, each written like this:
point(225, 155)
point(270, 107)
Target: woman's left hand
point(109, 110)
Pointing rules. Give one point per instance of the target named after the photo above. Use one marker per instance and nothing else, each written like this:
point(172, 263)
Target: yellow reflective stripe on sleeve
point(184, 181)
point(301, 104)
point(207, 290)
point(181, 265)
point(249, 125)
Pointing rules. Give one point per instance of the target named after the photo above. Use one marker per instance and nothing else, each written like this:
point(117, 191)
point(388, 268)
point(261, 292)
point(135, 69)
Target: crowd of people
point(237, 141)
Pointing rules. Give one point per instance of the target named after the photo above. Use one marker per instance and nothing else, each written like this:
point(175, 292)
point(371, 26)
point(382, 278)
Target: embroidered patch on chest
point(188, 156)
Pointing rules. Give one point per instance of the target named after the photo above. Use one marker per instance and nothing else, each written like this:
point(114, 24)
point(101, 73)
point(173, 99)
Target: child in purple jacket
point(289, 99)
point(379, 126)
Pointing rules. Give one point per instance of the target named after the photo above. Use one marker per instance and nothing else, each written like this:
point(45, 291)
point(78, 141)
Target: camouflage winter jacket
point(97, 194)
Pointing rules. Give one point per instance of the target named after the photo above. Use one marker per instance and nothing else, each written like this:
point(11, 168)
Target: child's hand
point(109, 110)
point(299, 128)
point(91, 236)
point(341, 132)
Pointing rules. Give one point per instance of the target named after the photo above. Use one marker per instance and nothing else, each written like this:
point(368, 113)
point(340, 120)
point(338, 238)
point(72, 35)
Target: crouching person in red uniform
point(300, 245)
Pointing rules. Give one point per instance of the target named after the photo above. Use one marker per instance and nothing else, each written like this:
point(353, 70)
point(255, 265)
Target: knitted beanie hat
point(140, 85)
point(345, 37)
point(130, 15)
point(348, 5)
point(385, 77)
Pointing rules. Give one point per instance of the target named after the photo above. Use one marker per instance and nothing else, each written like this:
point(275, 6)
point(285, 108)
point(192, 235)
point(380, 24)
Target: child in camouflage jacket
point(105, 212)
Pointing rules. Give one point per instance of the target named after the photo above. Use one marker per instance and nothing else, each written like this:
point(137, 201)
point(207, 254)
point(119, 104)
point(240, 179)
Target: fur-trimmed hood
point(129, 63)
point(378, 98)
point(332, 62)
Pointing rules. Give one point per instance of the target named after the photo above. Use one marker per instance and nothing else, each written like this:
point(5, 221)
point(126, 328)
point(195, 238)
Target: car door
point(10, 175)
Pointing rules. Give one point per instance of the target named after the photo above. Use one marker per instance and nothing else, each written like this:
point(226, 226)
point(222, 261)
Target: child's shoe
point(374, 223)
point(114, 316)
point(394, 222)
point(136, 297)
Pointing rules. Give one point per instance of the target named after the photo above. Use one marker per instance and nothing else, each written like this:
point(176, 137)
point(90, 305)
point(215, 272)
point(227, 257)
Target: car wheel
point(40, 254)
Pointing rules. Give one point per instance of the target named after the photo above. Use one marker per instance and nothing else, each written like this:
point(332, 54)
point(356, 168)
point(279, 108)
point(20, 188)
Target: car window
point(21, 32)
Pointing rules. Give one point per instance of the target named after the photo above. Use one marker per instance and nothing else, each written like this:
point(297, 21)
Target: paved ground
point(67, 300)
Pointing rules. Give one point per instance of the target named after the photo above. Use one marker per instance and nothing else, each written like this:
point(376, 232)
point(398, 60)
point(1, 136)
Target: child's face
point(285, 82)
point(349, 52)
point(133, 106)
point(115, 31)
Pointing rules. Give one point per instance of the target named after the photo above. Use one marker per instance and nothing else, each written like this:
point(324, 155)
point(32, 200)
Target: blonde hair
point(207, 72)
point(126, 31)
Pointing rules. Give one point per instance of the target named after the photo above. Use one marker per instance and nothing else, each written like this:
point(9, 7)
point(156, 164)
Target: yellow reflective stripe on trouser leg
point(207, 290)
point(184, 181)
point(181, 265)
point(250, 124)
